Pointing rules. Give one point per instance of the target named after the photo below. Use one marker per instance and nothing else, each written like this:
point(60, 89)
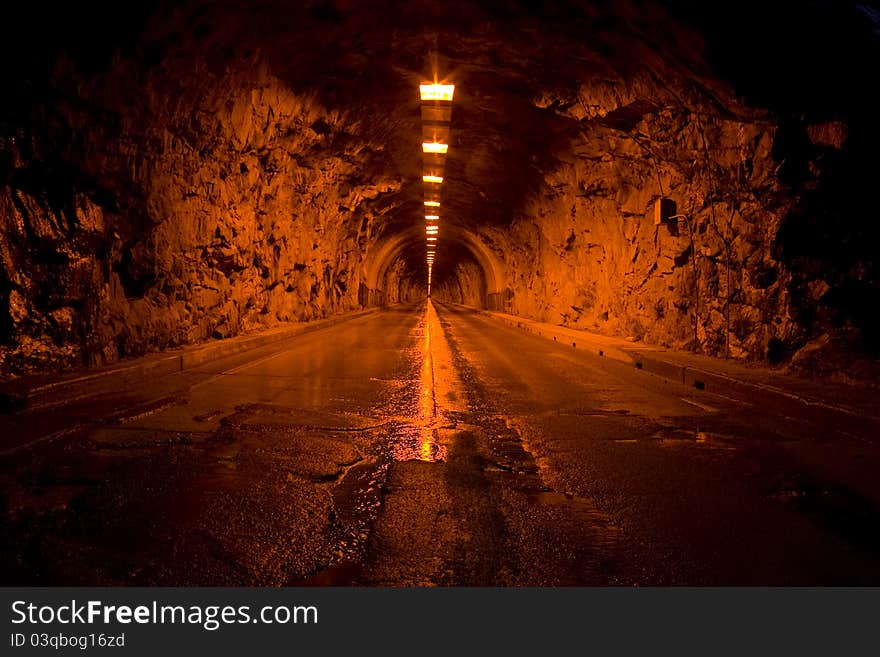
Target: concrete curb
point(651, 361)
point(199, 356)
point(193, 356)
point(599, 345)
point(702, 379)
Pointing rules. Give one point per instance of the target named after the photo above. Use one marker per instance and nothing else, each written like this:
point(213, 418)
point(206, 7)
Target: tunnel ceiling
point(518, 66)
point(518, 69)
point(208, 158)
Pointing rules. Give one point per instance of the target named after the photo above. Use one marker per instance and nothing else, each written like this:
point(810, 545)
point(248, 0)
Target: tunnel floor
point(429, 445)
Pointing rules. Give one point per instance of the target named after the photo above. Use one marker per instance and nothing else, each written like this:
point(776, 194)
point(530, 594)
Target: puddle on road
point(137, 412)
point(673, 437)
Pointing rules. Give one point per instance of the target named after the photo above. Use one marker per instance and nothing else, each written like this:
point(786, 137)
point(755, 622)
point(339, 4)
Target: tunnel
point(486, 191)
point(195, 171)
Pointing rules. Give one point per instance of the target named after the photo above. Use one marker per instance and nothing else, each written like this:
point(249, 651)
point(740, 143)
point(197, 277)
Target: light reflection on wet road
point(428, 446)
point(418, 435)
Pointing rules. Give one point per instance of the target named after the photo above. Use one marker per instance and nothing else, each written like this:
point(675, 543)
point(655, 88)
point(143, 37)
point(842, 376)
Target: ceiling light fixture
point(436, 91)
point(436, 117)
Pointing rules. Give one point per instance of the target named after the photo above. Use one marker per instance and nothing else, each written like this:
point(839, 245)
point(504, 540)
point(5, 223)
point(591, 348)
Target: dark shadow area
point(808, 63)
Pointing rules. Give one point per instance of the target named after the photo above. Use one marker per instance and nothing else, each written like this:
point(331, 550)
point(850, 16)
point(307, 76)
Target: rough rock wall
point(464, 284)
point(187, 192)
point(203, 200)
point(586, 252)
point(402, 283)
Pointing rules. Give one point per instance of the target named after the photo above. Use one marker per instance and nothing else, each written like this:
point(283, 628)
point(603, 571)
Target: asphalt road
point(429, 446)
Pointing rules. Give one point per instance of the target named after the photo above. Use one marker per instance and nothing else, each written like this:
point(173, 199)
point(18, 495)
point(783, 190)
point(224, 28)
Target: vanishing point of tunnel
point(419, 293)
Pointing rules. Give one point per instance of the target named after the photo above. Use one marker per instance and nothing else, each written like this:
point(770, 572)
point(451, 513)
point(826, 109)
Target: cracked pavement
point(428, 446)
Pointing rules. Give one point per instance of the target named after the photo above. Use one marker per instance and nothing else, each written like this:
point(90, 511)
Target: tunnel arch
point(382, 256)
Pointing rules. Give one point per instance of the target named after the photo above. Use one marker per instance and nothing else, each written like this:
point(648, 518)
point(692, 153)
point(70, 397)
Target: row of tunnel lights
point(436, 117)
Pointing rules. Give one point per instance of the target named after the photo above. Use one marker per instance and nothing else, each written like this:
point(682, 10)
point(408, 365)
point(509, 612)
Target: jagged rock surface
point(222, 170)
point(199, 206)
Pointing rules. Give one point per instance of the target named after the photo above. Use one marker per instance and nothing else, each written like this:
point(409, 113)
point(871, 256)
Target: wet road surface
point(429, 445)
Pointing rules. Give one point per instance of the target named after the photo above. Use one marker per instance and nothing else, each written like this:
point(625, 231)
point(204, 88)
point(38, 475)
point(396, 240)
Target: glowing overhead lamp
point(436, 91)
point(434, 147)
point(432, 204)
point(432, 239)
point(432, 230)
point(432, 179)
point(432, 217)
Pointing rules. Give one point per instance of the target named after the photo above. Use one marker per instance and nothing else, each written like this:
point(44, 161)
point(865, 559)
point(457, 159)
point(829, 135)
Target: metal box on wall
point(664, 208)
